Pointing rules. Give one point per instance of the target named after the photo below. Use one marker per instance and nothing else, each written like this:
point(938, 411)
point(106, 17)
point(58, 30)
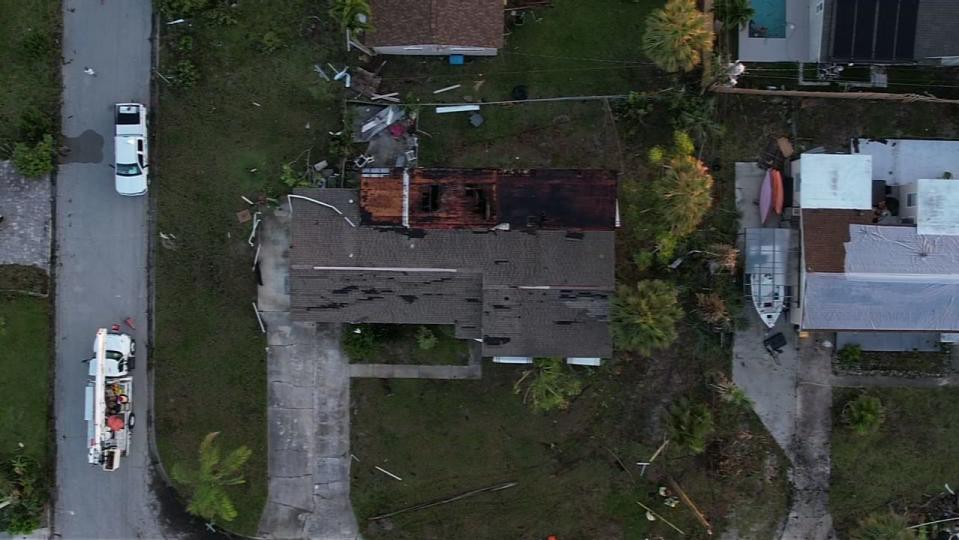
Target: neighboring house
point(880, 243)
point(436, 27)
point(861, 31)
point(521, 261)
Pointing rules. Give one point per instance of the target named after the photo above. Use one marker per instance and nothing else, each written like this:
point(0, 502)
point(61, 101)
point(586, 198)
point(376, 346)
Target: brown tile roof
point(824, 234)
point(465, 23)
point(442, 198)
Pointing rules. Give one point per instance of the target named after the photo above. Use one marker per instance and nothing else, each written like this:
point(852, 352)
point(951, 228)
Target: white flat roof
point(836, 181)
point(903, 161)
point(938, 207)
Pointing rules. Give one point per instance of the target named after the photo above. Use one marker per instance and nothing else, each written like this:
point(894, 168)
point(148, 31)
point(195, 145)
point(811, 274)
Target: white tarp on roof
point(837, 181)
point(895, 279)
point(938, 211)
point(903, 161)
point(843, 302)
point(900, 251)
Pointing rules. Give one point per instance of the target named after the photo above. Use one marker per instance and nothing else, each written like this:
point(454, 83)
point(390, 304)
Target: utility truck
point(108, 404)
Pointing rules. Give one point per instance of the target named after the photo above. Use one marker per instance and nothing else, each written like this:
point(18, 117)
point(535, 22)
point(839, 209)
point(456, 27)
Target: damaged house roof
point(466, 23)
point(524, 291)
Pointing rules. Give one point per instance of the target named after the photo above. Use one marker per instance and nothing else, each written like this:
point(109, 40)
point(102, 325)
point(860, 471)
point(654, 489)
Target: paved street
point(102, 268)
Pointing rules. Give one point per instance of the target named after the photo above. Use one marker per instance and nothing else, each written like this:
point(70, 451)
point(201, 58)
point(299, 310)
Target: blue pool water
point(769, 20)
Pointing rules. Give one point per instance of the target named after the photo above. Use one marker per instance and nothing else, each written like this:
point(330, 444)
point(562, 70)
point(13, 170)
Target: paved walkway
point(473, 370)
point(308, 410)
point(25, 205)
point(861, 381)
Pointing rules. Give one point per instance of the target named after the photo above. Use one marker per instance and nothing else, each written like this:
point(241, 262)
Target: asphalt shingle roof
point(558, 284)
point(466, 23)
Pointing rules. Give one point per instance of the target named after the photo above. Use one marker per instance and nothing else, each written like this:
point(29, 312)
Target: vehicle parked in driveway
point(131, 159)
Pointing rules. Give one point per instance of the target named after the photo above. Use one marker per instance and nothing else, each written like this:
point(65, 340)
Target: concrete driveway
point(101, 271)
point(308, 412)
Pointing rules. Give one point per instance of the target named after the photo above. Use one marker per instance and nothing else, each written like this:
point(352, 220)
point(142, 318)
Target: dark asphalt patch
point(86, 148)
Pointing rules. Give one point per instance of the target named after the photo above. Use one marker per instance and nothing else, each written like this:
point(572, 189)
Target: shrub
point(551, 386)
point(33, 124)
point(291, 179)
point(864, 414)
point(270, 42)
point(347, 13)
point(176, 9)
point(887, 526)
point(850, 355)
point(184, 44)
point(22, 488)
point(362, 341)
point(690, 424)
point(34, 161)
point(185, 74)
point(644, 318)
point(221, 16)
point(425, 338)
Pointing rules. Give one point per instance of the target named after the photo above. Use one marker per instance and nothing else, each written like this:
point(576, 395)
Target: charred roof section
point(548, 199)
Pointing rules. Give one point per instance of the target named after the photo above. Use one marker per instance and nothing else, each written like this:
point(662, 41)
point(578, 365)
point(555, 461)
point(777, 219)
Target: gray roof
point(559, 284)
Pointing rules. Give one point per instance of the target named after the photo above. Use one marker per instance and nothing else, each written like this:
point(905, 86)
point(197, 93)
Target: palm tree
point(686, 190)
point(352, 15)
point(733, 13)
point(552, 387)
point(888, 526)
point(864, 414)
point(677, 36)
point(690, 424)
point(644, 318)
point(209, 499)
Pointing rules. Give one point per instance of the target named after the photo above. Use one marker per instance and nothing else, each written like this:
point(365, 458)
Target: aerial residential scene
point(487, 269)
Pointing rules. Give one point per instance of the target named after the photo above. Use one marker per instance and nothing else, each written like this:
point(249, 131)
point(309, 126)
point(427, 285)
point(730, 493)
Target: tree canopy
point(644, 318)
point(677, 36)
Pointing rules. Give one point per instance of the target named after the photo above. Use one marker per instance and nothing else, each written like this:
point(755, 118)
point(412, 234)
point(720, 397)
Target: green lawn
point(902, 466)
point(571, 49)
point(24, 387)
point(446, 438)
point(214, 145)
point(30, 84)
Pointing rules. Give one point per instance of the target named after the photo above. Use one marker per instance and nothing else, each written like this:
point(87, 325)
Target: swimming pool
point(769, 19)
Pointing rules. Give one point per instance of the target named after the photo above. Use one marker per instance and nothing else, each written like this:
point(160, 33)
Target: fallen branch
point(664, 520)
point(497, 487)
point(689, 503)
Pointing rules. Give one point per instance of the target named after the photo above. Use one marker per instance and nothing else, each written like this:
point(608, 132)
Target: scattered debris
point(248, 201)
point(364, 82)
point(447, 88)
point(490, 489)
point(457, 108)
point(319, 70)
point(258, 319)
point(256, 223)
point(168, 241)
point(243, 216)
point(256, 104)
point(386, 472)
point(659, 517)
